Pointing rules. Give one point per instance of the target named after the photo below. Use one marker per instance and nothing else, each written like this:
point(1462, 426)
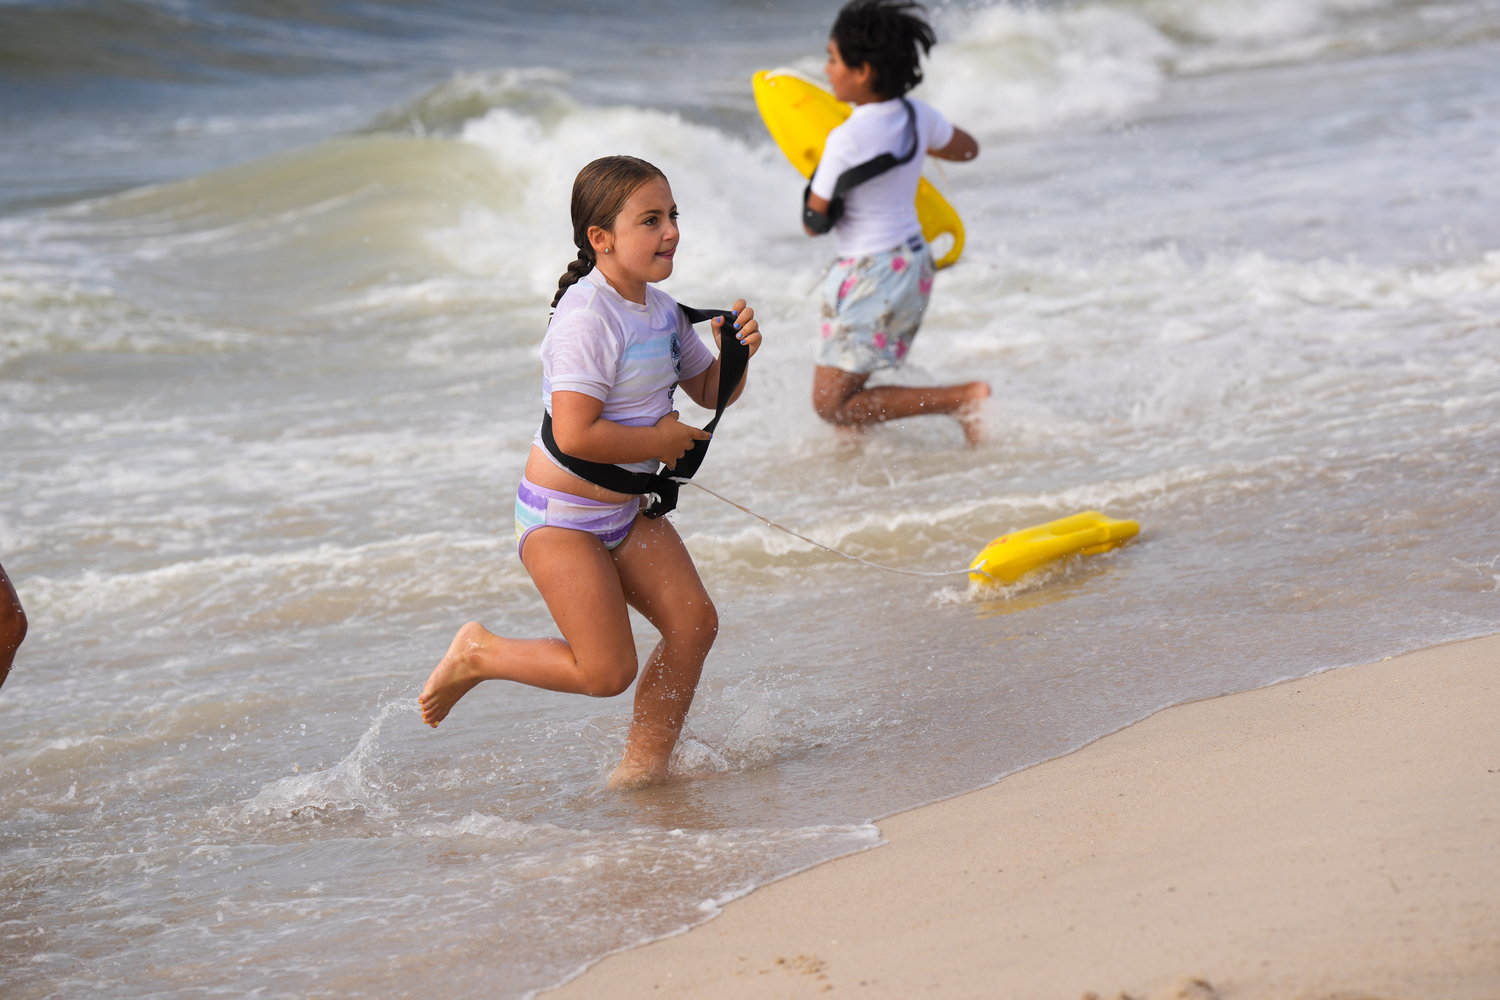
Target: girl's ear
point(600, 240)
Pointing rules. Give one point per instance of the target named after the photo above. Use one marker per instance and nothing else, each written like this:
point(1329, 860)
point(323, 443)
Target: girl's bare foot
point(454, 676)
point(971, 415)
point(632, 774)
point(648, 755)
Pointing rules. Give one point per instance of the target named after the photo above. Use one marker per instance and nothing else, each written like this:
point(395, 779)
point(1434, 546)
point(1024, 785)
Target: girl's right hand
point(676, 438)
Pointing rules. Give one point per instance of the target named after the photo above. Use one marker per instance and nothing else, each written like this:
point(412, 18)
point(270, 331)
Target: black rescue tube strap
point(820, 222)
point(734, 358)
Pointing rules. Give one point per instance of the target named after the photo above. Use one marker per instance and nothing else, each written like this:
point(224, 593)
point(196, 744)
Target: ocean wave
point(294, 233)
point(154, 40)
point(534, 92)
point(479, 218)
point(1250, 20)
point(1013, 67)
point(389, 221)
point(252, 592)
point(59, 314)
point(722, 185)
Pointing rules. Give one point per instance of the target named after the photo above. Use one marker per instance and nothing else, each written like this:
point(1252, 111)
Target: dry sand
point(1335, 836)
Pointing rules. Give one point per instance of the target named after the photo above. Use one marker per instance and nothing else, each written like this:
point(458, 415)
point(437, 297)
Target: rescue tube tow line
point(826, 548)
point(1007, 558)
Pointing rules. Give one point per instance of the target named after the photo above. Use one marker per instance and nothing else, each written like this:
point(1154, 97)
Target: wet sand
point(1334, 836)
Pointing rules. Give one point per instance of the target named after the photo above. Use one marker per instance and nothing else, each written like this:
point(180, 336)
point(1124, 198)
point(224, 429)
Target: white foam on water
point(323, 582)
point(720, 184)
point(1007, 68)
point(1251, 20)
point(497, 828)
point(59, 314)
point(1238, 34)
point(1003, 67)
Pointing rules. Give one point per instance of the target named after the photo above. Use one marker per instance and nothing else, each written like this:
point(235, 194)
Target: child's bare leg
point(661, 582)
point(12, 624)
point(596, 655)
point(841, 399)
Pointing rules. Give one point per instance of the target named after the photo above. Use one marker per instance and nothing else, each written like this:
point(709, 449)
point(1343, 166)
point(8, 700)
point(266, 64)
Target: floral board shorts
point(872, 307)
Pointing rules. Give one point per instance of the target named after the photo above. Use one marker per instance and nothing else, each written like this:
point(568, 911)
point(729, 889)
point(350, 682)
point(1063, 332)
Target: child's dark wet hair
point(885, 34)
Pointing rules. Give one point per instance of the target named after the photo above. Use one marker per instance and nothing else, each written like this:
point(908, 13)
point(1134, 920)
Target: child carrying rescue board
point(615, 351)
point(864, 189)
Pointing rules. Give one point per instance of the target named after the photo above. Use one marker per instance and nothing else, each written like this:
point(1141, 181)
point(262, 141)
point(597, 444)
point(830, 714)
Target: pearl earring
point(606, 249)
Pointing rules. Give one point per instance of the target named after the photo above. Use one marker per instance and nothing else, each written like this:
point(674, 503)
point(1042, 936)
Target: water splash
point(355, 783)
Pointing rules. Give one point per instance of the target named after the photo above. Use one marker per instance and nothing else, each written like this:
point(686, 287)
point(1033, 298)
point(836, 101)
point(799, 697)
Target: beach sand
point(1334, 836)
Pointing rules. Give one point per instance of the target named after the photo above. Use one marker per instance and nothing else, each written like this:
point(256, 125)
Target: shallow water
point(271, 287)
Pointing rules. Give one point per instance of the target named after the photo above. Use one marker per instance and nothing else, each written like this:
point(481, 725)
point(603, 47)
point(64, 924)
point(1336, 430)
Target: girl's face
point(852, 86)
point(642, 242)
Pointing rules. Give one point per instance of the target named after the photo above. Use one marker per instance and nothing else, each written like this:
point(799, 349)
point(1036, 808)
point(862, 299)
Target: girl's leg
point(841, 399)
point(12, 624)
point(596, 655)
point(661, 582)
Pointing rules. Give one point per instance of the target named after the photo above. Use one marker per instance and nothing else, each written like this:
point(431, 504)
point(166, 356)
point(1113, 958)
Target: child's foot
point(454, 676)
point(971, 415)
point(631, 774)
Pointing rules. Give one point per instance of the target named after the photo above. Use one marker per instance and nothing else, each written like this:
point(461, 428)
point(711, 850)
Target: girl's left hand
point(746, 329)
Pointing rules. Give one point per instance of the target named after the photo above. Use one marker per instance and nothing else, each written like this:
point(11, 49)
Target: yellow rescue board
point(799, 114)
point(1010, 556)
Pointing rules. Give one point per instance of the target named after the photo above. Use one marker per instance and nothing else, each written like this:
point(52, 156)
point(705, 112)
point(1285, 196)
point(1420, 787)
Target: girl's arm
point(582, 433)
point(962, 146)
point(817, 204)
point(703, 388)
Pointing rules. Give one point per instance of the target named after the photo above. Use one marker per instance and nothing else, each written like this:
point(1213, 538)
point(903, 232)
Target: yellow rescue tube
point(799, 114)
point(1010, 556)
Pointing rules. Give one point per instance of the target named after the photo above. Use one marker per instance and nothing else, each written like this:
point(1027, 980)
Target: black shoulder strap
point(821, 222)
point(871, 169)
point(734, 358)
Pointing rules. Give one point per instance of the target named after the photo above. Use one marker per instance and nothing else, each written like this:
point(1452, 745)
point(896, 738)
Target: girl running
point(615, 351)
point(876, 292)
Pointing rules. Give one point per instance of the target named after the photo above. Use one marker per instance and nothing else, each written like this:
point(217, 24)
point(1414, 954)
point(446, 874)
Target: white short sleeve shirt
point(880, 213)
point(628, 356)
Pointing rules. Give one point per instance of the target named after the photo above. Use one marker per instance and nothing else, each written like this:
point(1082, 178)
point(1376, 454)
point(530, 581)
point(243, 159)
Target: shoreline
point(1336, 835)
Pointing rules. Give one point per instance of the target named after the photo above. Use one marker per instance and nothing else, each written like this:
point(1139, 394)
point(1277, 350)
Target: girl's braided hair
point(600, 191)
point(886, 34)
